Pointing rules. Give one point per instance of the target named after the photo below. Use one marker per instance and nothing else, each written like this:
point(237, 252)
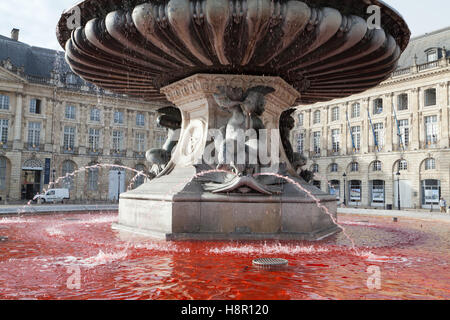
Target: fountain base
point(167, 209)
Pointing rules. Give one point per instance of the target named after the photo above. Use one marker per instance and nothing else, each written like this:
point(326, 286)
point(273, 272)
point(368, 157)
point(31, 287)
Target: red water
point(39, 258)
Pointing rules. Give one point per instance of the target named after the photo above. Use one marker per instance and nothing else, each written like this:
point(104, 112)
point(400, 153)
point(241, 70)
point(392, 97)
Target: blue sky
point(37, 19)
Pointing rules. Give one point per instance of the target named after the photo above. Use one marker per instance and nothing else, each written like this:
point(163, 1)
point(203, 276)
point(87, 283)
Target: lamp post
point(398, 189)
point(345, 189)
point(118, 194)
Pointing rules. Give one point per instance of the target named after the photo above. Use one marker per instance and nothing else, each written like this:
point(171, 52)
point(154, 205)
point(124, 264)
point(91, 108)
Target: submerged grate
point(270, 262)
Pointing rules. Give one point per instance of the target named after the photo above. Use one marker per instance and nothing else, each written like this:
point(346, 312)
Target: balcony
point(33, 147)
point(428, 65)
point(118, 153)
point(69, 150)
point(5, 146)
point(94, 152)
point(139, 155)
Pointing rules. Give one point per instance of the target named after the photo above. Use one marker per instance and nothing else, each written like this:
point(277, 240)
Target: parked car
point(53, 196)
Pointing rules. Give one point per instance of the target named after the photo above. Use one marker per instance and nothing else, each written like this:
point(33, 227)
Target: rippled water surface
point(42, 254)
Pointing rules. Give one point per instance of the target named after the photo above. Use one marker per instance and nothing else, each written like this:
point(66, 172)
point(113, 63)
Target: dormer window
point(432, 56)
point(71, 79)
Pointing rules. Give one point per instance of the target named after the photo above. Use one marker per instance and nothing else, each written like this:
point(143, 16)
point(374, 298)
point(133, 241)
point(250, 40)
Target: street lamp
point(398, 189)
point(345, 189)
point(118, 194)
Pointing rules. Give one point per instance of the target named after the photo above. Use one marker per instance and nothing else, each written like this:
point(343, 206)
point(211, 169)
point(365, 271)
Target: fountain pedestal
point(175, 205)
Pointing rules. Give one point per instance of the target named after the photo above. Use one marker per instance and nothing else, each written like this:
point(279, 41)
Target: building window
point(118, 117)
point(378, 129)
point(430, 97)
point(431, 130)
point(316, 142)
point(316, 117)
point(315, 168)
point(336, 140)
point(301, 143)
point(432, 56)
point(377, 166)
point(160, 140)
point(335, 114)
point(4, 102)
point(378, 191)
point(356, 110)
point(70, 112)
point(69, 138)
point(402, 101)
point(2, 173)
point(334, 168)
point(402, 165)
point(71, 79)
point(95, 115)
point(430, 164)
point(68, 168)
point(431, 192)
point(93, 179)
point(356, 134)
point(94, 139)
point(140, 142)
point(117, 141)
point(34, 134)
point(4, 127)
point(354, 167)
point(140, 178)
point(140, 120)
point(403, 126)
point(334, 188)
point(35, 106)
point(301, 120)
point(355, 187)
point(378, 106)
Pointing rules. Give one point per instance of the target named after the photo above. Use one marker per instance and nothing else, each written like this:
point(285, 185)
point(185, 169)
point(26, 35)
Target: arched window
point(430, 164)
point(402, 165)
point(68, 168)
point(2, 173)
point(315, 168)
point(334, 168)
point(377, 166)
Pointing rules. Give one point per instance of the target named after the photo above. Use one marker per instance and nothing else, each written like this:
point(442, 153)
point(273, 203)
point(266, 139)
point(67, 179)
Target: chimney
point(15, 34)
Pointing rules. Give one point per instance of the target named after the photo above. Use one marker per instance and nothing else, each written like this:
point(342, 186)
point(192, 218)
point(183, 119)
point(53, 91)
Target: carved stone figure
point(246, 108)
point(171, 119)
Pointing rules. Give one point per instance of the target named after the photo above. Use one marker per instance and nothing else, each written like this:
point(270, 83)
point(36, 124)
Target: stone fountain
point(230, 71)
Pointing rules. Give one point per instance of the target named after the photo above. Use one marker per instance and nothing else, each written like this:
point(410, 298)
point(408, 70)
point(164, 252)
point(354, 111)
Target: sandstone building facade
point(53, 123)
point(394, 137)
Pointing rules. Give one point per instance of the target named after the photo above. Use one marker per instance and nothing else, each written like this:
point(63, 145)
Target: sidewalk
point(435, 216)
point(16, 209)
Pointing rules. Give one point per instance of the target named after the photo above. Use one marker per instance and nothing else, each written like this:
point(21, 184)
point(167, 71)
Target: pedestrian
point(443, 205)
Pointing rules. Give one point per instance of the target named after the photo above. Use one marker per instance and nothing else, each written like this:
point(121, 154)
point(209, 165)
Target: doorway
point(31, 184)
point(116, 176)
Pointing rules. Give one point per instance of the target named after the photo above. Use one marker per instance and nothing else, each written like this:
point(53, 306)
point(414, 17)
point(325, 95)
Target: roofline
point(430, 33)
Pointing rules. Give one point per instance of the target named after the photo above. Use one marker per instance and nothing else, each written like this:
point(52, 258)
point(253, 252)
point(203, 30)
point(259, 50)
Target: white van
point(53, 196)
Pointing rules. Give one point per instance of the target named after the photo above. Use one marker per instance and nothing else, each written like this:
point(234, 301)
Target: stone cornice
point(205, 85)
